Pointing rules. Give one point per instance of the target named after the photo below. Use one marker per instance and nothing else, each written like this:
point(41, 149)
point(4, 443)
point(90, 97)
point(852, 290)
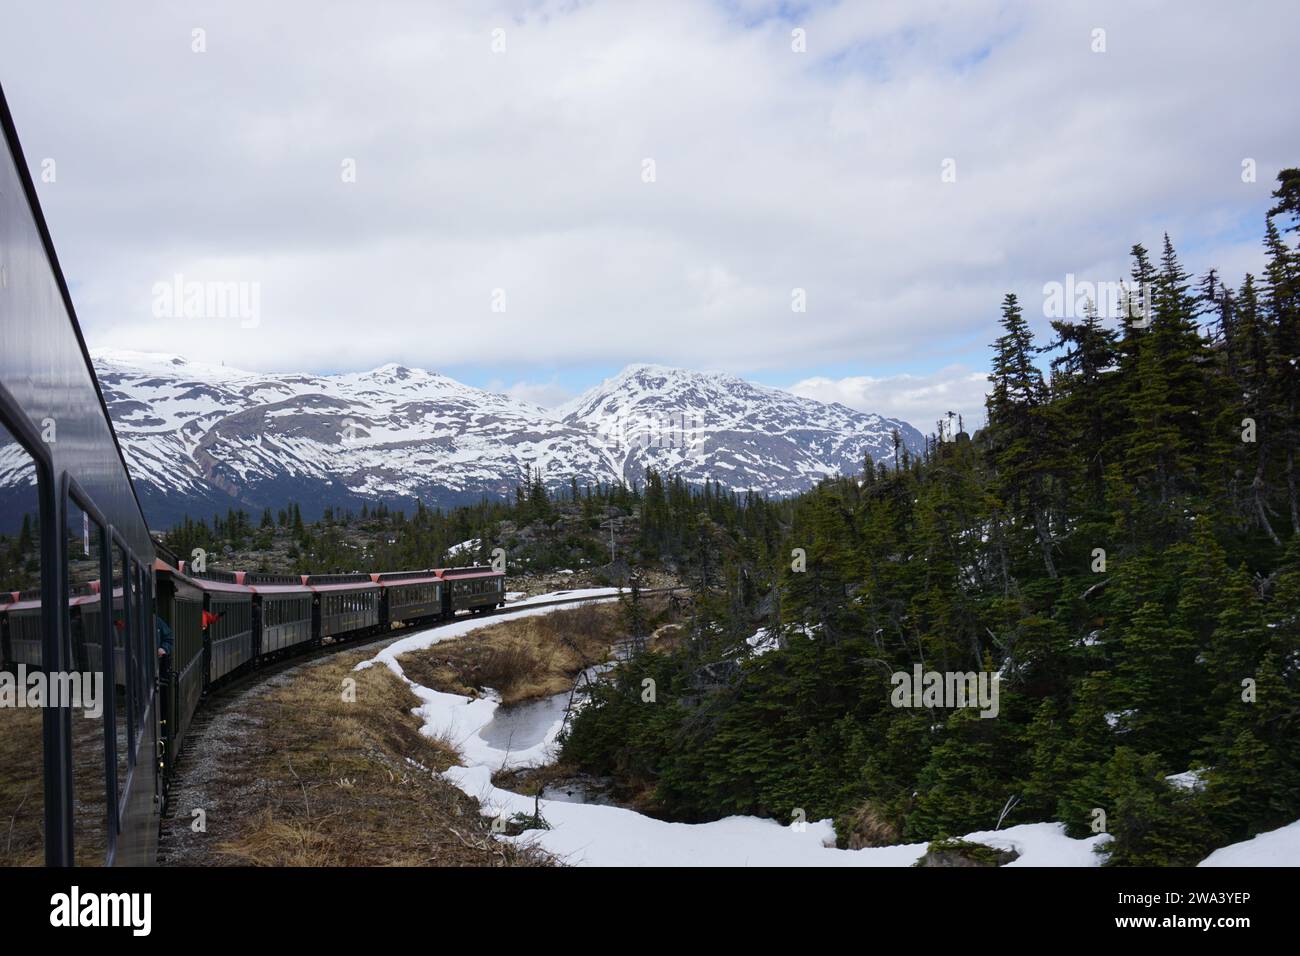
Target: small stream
point(520, 726)
point(517, 727)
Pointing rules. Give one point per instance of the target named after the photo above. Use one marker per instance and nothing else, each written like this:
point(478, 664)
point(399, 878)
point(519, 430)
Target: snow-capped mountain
point(710, 425)
point(198, 434)
point(203, 438)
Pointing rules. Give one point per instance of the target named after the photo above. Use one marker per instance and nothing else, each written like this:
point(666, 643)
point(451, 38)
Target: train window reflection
point(140, 664)
point(121, 708)
point(90, 799)
point(22, 752)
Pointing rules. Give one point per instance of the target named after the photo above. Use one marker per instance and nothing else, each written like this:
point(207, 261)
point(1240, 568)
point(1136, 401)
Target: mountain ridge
point(202, 438)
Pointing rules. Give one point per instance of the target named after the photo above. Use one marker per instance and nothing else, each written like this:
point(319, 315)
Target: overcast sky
point(500, 155)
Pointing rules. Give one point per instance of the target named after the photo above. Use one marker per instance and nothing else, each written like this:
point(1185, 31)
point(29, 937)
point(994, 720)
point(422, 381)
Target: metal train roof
point(264, 583)
point(388, 579)
point(463, 574)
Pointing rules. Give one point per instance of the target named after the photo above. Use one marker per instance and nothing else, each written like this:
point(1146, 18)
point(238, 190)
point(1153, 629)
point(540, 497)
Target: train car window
point(122, 716)
point(142, 635)
point(136, 666)
point(22, 750)
point(90, 795)
point(148, 636)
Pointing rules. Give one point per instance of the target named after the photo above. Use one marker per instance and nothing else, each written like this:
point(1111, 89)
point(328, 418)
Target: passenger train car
point(227, 622)
point(224, 623)
point(84, 764)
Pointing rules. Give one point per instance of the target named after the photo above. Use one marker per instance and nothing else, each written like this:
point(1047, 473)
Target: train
point(224, 623)
point(92, 718)
point(221, 624)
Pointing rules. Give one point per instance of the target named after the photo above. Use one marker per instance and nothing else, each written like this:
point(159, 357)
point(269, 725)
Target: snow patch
point(1280, 847)
point(1187, 780)
point(596, 835)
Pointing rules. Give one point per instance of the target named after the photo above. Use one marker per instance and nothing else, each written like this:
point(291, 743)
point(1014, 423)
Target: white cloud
point(921, 400)
point(521, 171)
point(548, 395)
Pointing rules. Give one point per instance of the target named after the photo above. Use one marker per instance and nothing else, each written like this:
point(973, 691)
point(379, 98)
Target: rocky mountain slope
point(707, 425)
point(202, 438)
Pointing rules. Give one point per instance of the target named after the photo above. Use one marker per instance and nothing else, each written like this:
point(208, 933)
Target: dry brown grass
point(867, 826)
point(667, 637)
point(523, 659)
point(319, 781)
point(531, 781)
point(315, 781)
point(22, 801)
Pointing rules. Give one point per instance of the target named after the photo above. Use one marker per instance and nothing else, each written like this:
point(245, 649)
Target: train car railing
point(343, 603)
point(26, 632)
point(410, 595)
point(230, 632)
point(282, 617)
point(473, 589)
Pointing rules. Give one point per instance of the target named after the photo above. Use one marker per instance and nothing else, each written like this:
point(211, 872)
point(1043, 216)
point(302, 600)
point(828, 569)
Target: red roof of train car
point(207, 584)
point(203, 584)
point(271, 587)
point(27, 604)
point(429, 579)
point(278, 588)
point(346, 586)
point(442, 573)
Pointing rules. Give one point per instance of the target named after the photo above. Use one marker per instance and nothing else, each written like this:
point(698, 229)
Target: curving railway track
point(210, 708)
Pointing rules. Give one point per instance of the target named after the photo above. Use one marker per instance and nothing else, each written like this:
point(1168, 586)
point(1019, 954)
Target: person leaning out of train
point(165, 642)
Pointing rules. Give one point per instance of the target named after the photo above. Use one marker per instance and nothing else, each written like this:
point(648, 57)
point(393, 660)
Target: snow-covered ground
point(1280, 847)
point(595, 835)
point(465, 547)
point(1187, 780)
point(460, 719)
point(762, 641)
